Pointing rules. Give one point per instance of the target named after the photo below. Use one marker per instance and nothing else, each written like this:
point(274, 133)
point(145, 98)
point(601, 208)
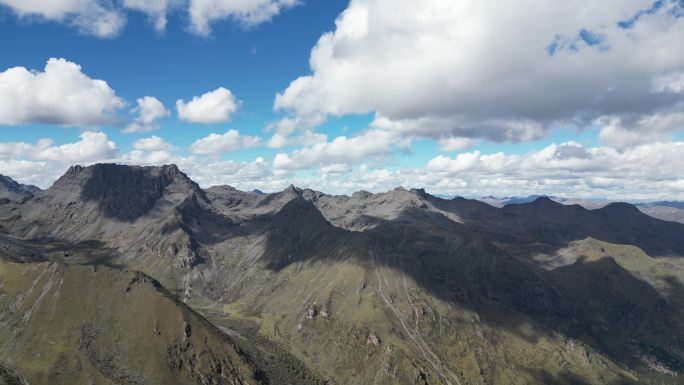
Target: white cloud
point(40, 174)
point(625, 131)
point(244, 175)
point(567, 169)
point(41, 163)
point(93, 146)
point(673, 82)
point(156, 10)
point(468, 69)
point(217, 106)
point(649, 171)
point(306, 138)
point(90, 17)
point(449, 144)
point(336, 169)
point(149, 109)
point(341, 150)
point(17, 149)
point(247, 12)
point(106, 18)
point(296, 131)
point(153, 143)
point(61, 94)
point(565, 165)
point(152, 158)
point(231, 140)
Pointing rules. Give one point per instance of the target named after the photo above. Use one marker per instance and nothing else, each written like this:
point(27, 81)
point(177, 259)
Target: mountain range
point(665, 210)
point(136, 275)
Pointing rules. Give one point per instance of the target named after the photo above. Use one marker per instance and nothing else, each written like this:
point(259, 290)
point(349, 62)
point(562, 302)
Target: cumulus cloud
point(295, 131)
point(93, 146)
point(149, 109)
point(42, 162)
point(247, 12)
point(306, 138)
point(153, 143)
point(245, 175)
point(342, 150)
point(468, 69)
point(90, 17)
point(106, 18)
point(647, 171)
point(60, 94)
point(17, 149)
point(216, 106)
point(625, 131)
point(566, 167)
point(229, 141)
point(449, 144)
point(156, 10)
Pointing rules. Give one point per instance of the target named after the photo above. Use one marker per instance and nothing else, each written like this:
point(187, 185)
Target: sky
point(583, 98)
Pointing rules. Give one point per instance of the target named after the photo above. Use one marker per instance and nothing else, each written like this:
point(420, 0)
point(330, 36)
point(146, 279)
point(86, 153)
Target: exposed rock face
point(127, 193)
point(131, 208)
point(11, 190)
point(124, 193)
point(373, 339)
point(455, 290)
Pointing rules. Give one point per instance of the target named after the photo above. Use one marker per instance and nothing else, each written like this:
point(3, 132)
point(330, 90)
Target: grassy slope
point(423, 339)
point(77, 325)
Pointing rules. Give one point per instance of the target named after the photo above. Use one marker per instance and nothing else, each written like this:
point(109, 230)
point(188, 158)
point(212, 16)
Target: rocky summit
point(136, 275)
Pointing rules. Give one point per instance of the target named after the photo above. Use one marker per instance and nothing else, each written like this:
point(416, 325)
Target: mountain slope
point(13, 191)
point(135, 210)
point(77, 324)
point(667, 211)
point(394, 288)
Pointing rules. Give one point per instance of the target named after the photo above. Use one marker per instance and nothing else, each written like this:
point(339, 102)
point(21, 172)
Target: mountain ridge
point(397, 286)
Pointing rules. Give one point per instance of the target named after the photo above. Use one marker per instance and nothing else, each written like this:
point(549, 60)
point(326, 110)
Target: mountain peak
point(292, 190)
point(543, 200)
point(122, 191)
point(621, 207)
point(15, 191)
point(418, 191)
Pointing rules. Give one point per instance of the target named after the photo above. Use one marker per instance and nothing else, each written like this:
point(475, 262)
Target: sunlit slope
point(95, 325)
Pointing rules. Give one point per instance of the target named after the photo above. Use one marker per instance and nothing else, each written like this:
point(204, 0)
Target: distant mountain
point(665, 210)
point(14, 191)
point(586, 203)
point(400, 287)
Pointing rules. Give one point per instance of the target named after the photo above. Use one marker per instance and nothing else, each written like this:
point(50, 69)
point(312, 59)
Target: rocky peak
point(363, 194)
point(420, 192)
point(15, 191)
point(291, 192)
point(292, 189)
point(544, 200)
point(123, 192)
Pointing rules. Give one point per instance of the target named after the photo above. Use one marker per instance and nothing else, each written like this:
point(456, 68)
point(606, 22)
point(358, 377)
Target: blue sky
point(254, 63)
point(453, 96)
